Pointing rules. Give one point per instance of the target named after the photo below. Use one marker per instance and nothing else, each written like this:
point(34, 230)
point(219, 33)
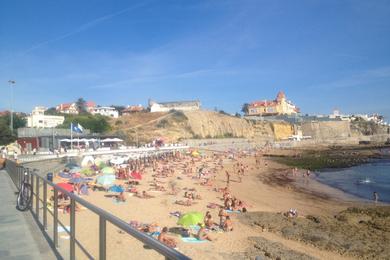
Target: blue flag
point(76, 128)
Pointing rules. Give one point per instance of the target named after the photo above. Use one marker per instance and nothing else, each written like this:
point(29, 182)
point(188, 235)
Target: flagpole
point(71, 136)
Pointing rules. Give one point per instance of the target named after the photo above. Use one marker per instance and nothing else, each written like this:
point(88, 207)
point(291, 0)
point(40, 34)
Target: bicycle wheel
point(24, 197)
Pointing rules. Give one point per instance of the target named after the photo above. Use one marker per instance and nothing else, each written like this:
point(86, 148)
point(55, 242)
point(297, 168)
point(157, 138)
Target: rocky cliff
point(176, 126)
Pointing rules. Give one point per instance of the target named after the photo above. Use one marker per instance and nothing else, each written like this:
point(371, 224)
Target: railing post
point(37, 197)
point(72, 229)
point(44, 205)
point(33, 191)
point(102, 238)
point(55, 218)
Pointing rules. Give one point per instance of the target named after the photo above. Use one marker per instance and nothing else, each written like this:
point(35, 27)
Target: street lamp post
point(11, 125)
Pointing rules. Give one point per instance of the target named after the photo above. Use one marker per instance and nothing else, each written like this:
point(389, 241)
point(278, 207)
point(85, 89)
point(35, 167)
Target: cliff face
point(175, 126)
point(208, 124)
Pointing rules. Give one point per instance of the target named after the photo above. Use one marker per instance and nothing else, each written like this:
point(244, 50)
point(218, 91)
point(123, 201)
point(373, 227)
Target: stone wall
point(327, 130)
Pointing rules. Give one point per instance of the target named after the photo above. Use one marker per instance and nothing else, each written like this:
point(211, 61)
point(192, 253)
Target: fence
point(41, 184)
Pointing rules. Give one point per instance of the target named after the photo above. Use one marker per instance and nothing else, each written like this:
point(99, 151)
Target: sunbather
point(165, 239)
point(202, 234)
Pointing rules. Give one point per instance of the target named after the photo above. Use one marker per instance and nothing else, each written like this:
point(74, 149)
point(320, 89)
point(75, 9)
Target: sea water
point(361, 180)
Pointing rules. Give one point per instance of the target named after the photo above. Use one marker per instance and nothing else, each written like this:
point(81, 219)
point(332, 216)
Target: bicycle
point(24, 199)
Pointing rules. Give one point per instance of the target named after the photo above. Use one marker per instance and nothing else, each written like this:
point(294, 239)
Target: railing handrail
point(153, 243)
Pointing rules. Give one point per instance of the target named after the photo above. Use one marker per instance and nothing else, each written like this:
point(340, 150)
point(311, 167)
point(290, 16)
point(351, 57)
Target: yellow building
point(279, 106)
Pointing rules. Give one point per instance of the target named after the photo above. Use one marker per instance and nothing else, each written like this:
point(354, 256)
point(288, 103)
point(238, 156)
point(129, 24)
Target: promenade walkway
point(20, 237)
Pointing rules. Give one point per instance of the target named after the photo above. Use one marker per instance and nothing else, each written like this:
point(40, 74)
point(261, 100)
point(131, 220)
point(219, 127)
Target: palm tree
point(80, 104)
point(245, 108)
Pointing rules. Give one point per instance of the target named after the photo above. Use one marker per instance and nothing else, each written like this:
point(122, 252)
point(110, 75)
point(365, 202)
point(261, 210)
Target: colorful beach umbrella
point(65, 175)
point(106, 180)
point(191, 218)
point(77, 180)
point(87, 171)
point(75, 170)
point(116, 188)
point(71, 165)
point(66, 186)
point(108, 170)
point(136, 175)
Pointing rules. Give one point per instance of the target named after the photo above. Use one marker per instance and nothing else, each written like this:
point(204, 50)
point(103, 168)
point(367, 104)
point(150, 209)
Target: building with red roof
point(279, 106)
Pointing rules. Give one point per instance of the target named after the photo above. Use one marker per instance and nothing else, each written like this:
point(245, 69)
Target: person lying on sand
point(208, 182)
point(121, 197)
point(144, 195)
point(158, 188)
point(146, 228)
point(187, 203)
point(202, 234)
point(165, 239)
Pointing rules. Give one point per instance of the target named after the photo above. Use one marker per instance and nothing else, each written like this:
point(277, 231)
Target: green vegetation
point(178, 116)
point(6, 136)
point(95, 123)
point(162, 123)
point(314, 160)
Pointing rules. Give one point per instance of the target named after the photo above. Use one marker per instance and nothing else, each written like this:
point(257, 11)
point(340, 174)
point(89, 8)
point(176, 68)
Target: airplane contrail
point(83, 27)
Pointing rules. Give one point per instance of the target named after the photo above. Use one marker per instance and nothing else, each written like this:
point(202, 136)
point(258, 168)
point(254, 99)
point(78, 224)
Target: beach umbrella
point(87, 171)
point(108, 170)
point(75, 170)
point(195, 154)
point(191, 218)
point(136, 175)
point(106, 180)
point(65, 175)
point(87, 161)
point(116, 188)
point(77, 180)
point(71, 165)
point(66, 186)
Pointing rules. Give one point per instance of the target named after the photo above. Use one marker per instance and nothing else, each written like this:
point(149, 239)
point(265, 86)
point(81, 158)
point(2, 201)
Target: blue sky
point(323, 54)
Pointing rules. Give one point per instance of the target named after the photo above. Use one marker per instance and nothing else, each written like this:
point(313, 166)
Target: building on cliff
point(38, 119)
point(177, 105)
point(279, 106)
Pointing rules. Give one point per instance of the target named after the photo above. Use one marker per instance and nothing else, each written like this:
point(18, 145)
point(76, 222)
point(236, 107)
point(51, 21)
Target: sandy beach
point(266, 187)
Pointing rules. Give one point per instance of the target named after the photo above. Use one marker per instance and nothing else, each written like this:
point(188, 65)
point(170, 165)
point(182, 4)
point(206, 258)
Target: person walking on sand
point(227, 178)
point(375, 197)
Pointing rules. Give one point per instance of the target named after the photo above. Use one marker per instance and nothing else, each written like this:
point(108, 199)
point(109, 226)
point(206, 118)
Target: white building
point(178, 105)
point(38, 119)
point(105, 111)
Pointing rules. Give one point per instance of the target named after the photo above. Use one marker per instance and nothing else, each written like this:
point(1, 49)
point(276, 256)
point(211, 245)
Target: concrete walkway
point(20, 237)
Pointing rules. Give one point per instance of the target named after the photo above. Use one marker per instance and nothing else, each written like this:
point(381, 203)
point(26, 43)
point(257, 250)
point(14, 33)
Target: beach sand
point(265, 188)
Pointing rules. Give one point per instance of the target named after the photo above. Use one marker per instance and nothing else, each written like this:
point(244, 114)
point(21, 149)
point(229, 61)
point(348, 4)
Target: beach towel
point(192, 240)
point(233, 211)
point(115, 201)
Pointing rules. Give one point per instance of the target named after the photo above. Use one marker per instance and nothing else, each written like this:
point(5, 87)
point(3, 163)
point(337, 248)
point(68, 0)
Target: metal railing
point(16, 172)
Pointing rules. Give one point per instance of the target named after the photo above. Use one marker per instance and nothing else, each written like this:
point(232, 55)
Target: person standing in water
point(375, 197)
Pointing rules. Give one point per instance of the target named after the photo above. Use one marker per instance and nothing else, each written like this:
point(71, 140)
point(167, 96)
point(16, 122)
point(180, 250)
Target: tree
point(245, 108)
point(52, 111)
point(97, 123)
point(81, 106)
point(6, 136)
point(18, 120)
